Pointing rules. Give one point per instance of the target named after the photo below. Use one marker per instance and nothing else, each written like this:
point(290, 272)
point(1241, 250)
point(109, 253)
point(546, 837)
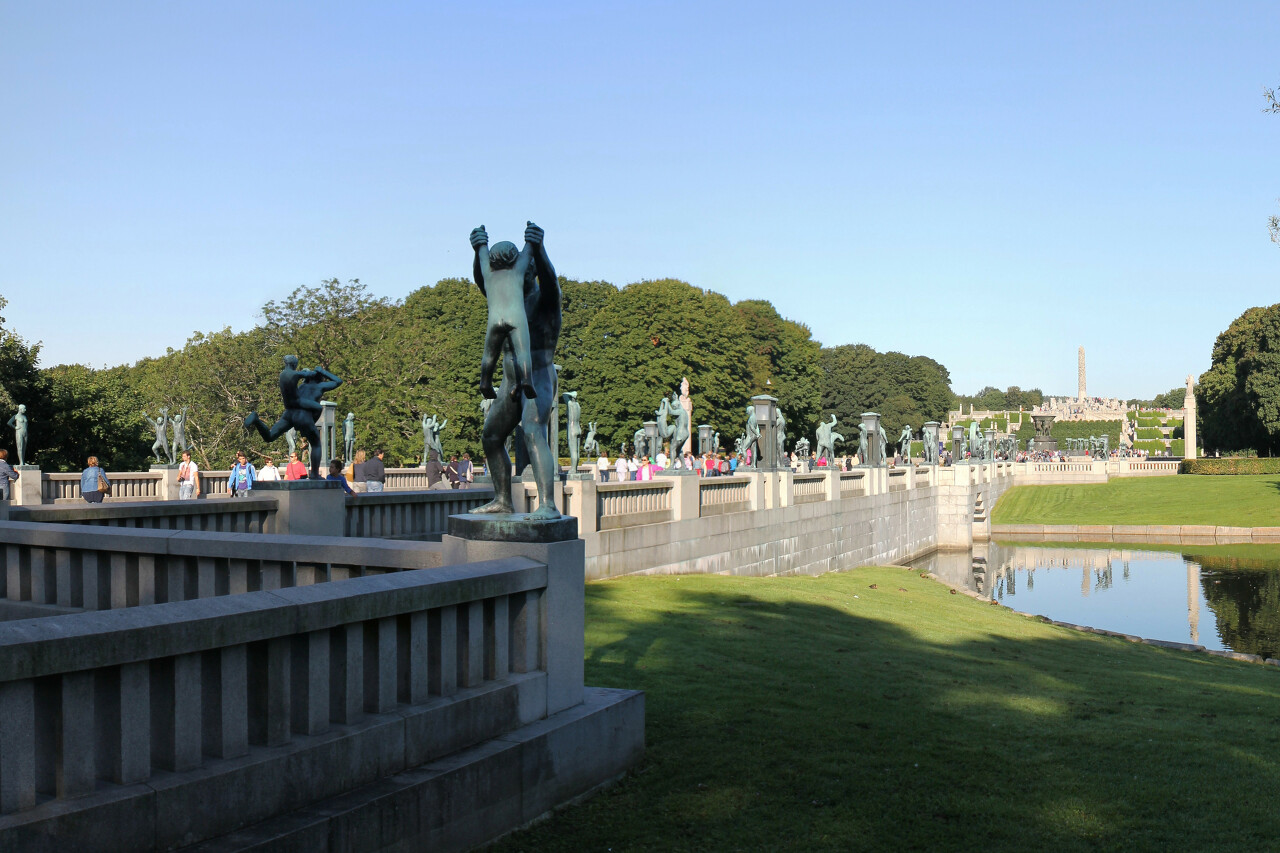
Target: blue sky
point(990, 185)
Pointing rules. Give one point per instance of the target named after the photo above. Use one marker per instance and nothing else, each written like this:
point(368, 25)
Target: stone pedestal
point(28, 489)
point(167, 488)
point(871, 421)
point(472, 538)
point(306, 507)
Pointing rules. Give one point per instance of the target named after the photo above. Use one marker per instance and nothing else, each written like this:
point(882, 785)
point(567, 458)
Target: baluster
point(225, 681)
point(470, 643)
point(270, 677)
point(380, 665)
point(496, 642)
point(311, 683)
point(346, 673)
point(443, 650)
point(63, 572)
point(413, 666)
point(17, 747)
point(44, 585)
point(123, 718)
point(94, 586)
point(176, 737)
point(524, 632)
point(146, 575)
point(75, 773)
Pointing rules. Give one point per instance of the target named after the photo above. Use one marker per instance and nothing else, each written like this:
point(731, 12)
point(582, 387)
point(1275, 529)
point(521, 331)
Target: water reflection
point(1158, 594)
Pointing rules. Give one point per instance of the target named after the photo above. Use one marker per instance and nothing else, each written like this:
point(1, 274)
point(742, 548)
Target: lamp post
point(652, 444)
point(931, 442)
point(328, 428)
point(989, 454)
point(766, 409)
point(957, 438)
point(871, 420)
point(704, 439)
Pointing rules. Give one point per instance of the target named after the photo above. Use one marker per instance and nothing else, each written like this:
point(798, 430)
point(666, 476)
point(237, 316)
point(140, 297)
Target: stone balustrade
point(629, 504)
point(807, 488)
point(719, 495)
point(244, 515)
point(402, 515)
point(105, 568)
point(159, 727)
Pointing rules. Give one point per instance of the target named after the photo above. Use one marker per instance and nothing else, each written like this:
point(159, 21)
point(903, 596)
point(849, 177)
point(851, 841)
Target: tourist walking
point(466, 471)
point(602, 468)
point(7, 475)
point(188, 478)
point(243, 475)
point(620, 469)
point(375, 473)
point(633, 468)
point(94, 485)
point(295, 470)
point(434, 470)
point(451, 471)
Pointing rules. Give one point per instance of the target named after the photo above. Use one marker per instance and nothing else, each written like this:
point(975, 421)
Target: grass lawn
point(820, 714)
point(1229, 501)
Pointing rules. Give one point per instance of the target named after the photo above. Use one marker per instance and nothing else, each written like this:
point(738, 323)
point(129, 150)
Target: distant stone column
point(1193, 600)
point(1189, 420)
point(1080, 374)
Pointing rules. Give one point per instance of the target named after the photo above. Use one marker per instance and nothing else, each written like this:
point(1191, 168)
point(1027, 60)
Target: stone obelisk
point(1080, 375)
point(1189, 420)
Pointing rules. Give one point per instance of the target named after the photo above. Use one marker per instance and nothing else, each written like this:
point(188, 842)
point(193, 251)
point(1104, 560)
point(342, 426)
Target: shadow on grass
point(788, 714)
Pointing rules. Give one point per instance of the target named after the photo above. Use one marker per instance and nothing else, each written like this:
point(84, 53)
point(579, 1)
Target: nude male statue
point(160, 449)
point(301, 391)
point(512, 408)
point(500, 273)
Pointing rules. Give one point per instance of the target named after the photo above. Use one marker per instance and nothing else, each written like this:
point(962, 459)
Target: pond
point(1220, 597)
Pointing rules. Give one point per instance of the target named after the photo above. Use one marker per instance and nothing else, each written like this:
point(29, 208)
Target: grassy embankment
point(820, 714)
point(1238, 501)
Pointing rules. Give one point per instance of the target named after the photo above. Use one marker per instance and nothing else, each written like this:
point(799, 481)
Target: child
point(500, 273)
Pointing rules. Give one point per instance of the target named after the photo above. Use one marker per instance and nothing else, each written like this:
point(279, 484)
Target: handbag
point(103, 485)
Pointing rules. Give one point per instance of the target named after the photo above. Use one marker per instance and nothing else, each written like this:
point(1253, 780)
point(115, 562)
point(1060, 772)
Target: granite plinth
point(1041, 444)
point(294, 485)
point(512, 527)
point(677, 472)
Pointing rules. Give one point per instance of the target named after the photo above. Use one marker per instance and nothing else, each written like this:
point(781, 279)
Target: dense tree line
point(1011, 399)
point(1238, 397)
point(622, 349)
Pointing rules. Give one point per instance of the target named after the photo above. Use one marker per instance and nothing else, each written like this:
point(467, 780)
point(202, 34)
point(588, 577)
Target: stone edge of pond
point(1138, 534)
point(1089, 629)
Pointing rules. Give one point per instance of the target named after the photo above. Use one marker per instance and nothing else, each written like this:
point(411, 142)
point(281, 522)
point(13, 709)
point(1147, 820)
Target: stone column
point(306, 507)
point(1080, 374)
point(1189, 420)
point(167, 488)
point(871, 421)
point(704, 438)
point(328, 426)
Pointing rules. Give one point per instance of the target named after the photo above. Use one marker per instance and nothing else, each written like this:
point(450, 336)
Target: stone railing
point(404, 515)
point(183, 722)
point(629, 504)
point(406, 478)
point(899, 479)
point(103, 568)
point(853, 483)
point(245, 515)
point(129, 486)
point(807, 488)
point(718, 495)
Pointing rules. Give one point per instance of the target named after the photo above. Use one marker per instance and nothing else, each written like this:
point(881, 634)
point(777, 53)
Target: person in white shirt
point(632, 467)
point(661, 460)
point(621, 469)
point(188, 478)
point(602, 467)
point(646, 470)
point(269, 473)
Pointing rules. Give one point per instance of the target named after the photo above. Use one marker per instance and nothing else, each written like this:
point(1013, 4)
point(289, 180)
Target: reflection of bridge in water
point(993, 570)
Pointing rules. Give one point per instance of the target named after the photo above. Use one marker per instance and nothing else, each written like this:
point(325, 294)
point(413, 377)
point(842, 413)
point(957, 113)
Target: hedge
point(1173, 422)
point(1149, 422)
point(1149, 432)
point(1178, 447)
point(1231, 465)
point(1153, 447)
point(1133, 416)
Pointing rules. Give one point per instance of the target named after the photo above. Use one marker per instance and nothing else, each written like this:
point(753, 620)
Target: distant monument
point(160, 449)
point(301, 392)
point(1080, 375)
point(1189, 420)
point(686, 403)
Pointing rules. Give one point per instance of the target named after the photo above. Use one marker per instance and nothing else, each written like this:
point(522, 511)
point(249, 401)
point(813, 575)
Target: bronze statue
point(19, 424)
point(532, 409)
point(160, 449)
point(573, 428)
point(501, 274)
point(301, 391)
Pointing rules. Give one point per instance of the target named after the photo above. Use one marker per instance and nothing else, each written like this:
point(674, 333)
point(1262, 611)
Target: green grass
point(1240, 501)
point(819, 714)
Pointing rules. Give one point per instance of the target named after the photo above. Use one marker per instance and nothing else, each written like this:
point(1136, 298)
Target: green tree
point(1238, 397)
point(22, 383)
point(648, 336)
point(902, 389)
point(784, 363)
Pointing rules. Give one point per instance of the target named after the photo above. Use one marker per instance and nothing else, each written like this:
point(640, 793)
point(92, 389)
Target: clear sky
point(991, 185)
